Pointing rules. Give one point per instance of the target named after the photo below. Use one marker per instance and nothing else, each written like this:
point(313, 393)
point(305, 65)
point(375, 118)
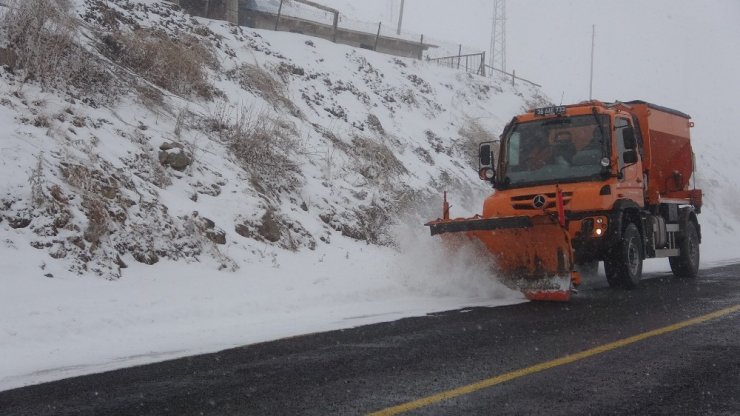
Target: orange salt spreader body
point(581, 184)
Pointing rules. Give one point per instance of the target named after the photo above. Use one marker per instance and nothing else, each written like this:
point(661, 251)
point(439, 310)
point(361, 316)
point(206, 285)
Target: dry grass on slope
point(43, 36)
point(179, 65)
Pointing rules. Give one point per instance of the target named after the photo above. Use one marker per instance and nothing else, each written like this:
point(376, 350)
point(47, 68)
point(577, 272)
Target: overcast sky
point(678, 53)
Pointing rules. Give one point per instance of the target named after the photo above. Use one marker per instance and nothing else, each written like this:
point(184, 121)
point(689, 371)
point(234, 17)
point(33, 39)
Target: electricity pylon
point(497, 54)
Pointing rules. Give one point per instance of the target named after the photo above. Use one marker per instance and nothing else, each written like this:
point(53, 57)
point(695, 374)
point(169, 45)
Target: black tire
point(686, 264)
point(589, 269)
point(623, 266)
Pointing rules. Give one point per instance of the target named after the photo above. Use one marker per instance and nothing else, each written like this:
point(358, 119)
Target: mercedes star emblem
point(538, 201)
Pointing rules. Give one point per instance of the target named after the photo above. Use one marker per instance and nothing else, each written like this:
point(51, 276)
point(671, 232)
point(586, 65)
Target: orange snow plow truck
point(584, 183)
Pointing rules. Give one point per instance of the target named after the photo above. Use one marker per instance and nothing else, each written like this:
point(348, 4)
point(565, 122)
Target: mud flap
point(532, 254)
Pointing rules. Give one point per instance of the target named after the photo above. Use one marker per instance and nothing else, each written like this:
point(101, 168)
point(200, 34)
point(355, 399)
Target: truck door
point(631, 183)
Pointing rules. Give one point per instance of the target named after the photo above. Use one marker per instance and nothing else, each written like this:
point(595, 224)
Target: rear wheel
point(623, 266)
point(686, 264)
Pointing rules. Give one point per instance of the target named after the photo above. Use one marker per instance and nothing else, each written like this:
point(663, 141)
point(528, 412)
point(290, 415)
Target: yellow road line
point(470, 388)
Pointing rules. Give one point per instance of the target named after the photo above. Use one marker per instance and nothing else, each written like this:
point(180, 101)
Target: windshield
point(554, 150)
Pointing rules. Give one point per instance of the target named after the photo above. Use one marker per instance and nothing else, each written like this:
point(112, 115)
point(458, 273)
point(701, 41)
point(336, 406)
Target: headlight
point(594, 227)
point(605, 162)
point(599, 227)
point(486, 174)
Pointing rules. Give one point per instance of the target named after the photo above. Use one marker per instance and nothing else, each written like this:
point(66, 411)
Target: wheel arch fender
point(685, 215)
point(625, 211)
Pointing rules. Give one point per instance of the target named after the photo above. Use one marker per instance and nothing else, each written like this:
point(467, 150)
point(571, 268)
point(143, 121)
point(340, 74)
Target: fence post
point(483, 63)
point(277, 19)
point(513, 77)
point(375, 48)
point(459, 53)
point(336, 24)
point(421, 47)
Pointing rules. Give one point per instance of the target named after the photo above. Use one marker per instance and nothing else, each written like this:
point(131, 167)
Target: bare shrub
point(472, 133)
point(150, 96)
point(383, 171)
point(36, 180)
point(262, 83)
point(369, 223)
point(40, 31)
point(219, 121)
point(175, 64)
point(265, 146)
point(97, 219)
point(373, 222)
point(375, 160)
point(43, 34)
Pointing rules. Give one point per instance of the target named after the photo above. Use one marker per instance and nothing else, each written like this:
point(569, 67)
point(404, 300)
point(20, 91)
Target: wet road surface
point(690, 369)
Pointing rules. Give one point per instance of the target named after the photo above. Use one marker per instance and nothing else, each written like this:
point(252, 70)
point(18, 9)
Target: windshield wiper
point(601, 129)
point(605, 171)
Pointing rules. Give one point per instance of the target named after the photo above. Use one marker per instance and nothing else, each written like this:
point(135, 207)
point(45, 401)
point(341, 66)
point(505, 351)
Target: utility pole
point(497, 57)
point(400, 18)
point(591, 81)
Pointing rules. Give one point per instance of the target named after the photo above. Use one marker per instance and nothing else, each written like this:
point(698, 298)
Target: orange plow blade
point(531, 253)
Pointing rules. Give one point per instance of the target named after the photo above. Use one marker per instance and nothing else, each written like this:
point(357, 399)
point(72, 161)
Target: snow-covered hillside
point(217, 186)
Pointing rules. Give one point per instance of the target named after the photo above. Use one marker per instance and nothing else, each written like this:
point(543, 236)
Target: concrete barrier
point(392, 46)
point(227, 10)
point(239, 13)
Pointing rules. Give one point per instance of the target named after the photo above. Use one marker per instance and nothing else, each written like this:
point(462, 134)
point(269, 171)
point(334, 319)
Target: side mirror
point(628, 137)
point(630, 157)
point(485, 156)
point(486, 170)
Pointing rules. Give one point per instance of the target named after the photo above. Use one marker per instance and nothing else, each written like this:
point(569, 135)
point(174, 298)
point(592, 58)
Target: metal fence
point(514, 77)
point(358, 33)
point(475, 63)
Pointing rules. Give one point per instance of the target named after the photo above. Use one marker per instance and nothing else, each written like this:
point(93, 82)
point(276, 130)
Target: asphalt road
point(691, 369)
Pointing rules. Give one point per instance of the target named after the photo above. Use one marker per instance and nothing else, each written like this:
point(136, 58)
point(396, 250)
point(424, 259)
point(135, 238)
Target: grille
point(524, 202)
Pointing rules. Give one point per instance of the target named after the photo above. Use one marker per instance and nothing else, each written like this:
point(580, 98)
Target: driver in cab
point(541, 152)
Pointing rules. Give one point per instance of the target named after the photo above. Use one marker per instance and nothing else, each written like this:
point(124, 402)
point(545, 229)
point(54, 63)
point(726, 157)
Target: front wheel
point(686, 264)
point(623, 266)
